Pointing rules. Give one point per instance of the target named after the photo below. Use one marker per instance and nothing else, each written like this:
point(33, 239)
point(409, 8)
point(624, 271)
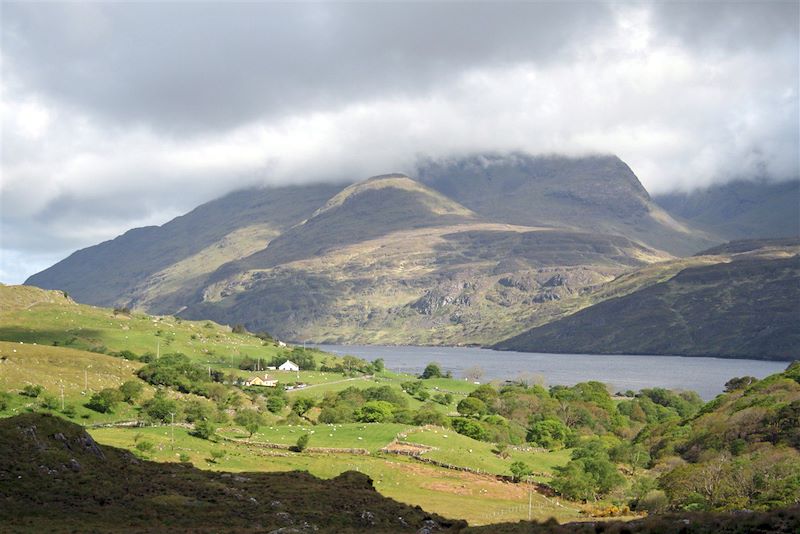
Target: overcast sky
point(118, 115)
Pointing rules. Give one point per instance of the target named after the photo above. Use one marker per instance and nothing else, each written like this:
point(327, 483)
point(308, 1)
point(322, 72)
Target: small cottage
point(258, 381)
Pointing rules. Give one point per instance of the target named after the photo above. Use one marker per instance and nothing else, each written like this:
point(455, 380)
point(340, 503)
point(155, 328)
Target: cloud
point(119, 115)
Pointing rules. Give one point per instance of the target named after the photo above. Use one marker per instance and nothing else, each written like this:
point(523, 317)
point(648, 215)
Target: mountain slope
point(748, 307)
point(390, 260)
point(158, 261)
point(740, 210)
point(485, 248)
point(595, 193)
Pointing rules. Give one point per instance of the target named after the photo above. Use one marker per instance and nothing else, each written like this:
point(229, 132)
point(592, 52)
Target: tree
point(203, 430)
point(486, 393)
point(196, 410)
point(302, 404)
point(378, 365)
point(471, 407)
point(302, 443)
point(104, 400)
point(520, 470)
point(249, 419)
point(275, 403)
point(474, 373)
point(130, 390)
point(160, 408)
point(470, 428)
point(432, 371)
point(374, 412)
point(549, 433)
point(741, 382)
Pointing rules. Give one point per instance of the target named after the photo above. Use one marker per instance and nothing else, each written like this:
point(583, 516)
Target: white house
point(289, 365)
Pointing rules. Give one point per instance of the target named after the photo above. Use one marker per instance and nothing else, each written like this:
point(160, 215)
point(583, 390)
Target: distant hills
point(745, 305)
point(475, 250)
point(740, 210)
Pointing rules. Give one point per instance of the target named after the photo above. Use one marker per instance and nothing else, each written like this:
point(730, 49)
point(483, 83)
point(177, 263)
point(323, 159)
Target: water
point(706, 376)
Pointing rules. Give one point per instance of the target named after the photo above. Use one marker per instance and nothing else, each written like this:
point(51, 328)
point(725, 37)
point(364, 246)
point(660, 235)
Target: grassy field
point(80, 373)
point(478, 499)
point(33, 315)
point(462, 451)
point(370, 436)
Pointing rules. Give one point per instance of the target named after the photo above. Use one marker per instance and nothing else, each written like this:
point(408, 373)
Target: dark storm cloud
point(196, 66)
point(728, 26)
point(117, 115)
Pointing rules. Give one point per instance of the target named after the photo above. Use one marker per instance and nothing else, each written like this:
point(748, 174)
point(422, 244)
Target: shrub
point(471, 407)
point(50, 402)
point(519, 470)
point(32, 390)
point(105, 400)
point(131, 390)
point(302, 443)
point(160, 408)
point(275, 403)
point(144, 446)
point(654, 502)
point(432, 371)
point(203, 430)
point(374, 412)
point(469, 428)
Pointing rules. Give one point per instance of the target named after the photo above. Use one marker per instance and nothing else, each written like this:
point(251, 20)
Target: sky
point(120, 114)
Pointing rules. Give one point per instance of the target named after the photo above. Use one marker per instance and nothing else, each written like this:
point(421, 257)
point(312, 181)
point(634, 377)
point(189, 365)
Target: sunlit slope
point(156, 266)
point(391, 261)
point(34, 315)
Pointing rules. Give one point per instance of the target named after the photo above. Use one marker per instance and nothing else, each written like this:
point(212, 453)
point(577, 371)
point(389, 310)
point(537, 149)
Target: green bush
point(203, 430)
point(105, 400)
point(302, 443)
point(32, 390)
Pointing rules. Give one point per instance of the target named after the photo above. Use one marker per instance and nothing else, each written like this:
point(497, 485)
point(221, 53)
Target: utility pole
point(172, 430)
point(530, 499)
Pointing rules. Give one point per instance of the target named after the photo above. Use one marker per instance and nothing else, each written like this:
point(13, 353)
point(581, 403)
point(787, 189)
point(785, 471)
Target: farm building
point(289, 365)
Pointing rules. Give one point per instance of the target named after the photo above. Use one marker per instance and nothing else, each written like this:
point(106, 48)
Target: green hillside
point(34, 315)
point(742, 304)
point(156, 267)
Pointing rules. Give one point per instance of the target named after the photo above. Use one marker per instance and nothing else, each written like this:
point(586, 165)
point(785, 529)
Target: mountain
point(154, 267)
point(745, 303)
point(594, 193)
point(740, 210)
point(56, 478)
point(389, 259)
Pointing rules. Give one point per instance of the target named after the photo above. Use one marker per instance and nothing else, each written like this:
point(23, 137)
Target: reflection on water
point(707, 376)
